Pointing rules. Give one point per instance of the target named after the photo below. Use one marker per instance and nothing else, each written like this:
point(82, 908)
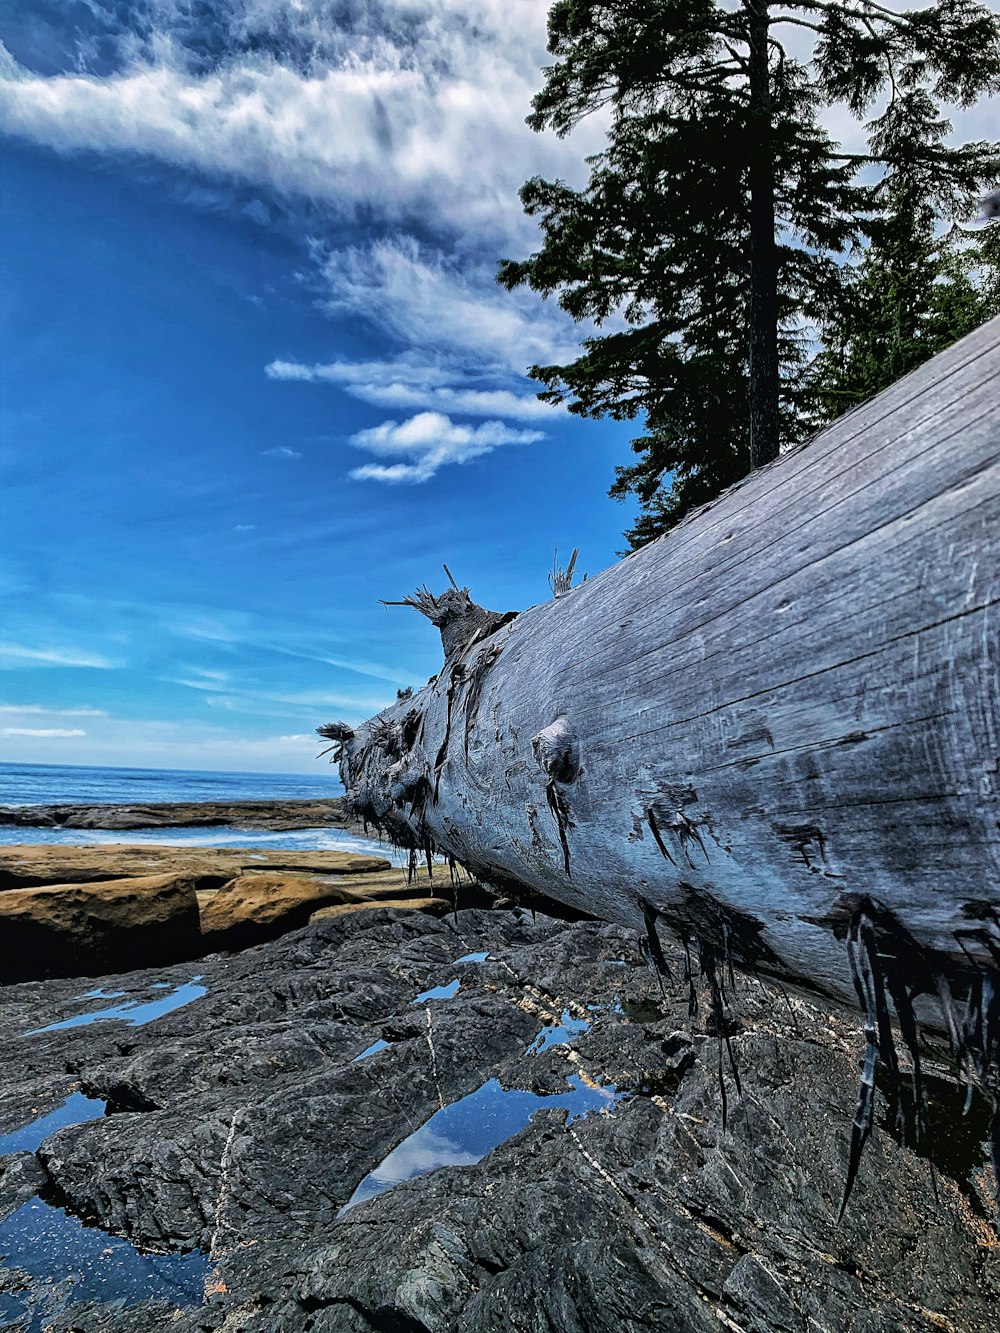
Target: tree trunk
point(774, 730)
point(763, 248)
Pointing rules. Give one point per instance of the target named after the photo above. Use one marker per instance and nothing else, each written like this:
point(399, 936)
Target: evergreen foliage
point(709, 242)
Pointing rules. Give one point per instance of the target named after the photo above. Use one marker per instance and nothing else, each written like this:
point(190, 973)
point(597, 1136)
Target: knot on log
point(557, 750)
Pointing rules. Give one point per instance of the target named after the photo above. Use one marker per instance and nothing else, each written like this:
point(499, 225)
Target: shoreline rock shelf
point(82, 911)
point(240, 1124)
point(272, 816)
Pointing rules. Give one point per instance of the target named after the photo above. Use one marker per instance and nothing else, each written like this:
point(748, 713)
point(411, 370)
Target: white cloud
point(13, 655)
point(280, 451)
point(430, 441)
point(410, 108)
point(405, 384)
point(41, 731)
point(244, 527)
point(455, 308)
point(38, 710)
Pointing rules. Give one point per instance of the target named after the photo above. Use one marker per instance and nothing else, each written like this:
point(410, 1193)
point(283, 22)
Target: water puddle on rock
point(446, 992)
point(65, 1261)
point(559, 1034)
point(464, 1132)
point(473, 957)
point(373, 1049)
point(75, 1110)
point(135, 1012)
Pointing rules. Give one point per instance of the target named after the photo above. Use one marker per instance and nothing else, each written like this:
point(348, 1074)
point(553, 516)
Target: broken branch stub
point(457, 617)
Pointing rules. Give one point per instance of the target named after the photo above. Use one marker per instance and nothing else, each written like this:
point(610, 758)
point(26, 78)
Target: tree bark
point(773, 731)
point(763, 248)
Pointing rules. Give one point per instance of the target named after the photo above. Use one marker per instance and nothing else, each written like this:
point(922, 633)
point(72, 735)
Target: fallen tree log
point(774, 730)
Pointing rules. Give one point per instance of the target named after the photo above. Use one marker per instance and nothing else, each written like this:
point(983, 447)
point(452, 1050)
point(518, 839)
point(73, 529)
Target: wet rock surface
point(277, 816)
point(241, 1123)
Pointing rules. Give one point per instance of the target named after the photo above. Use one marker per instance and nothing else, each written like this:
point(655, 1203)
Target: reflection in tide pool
point(373, 1049)
point(465, 1131)
point(135, 1012)
point(558, 1034)
point(446, 992)
point(75, 1110)
point(73, 1262)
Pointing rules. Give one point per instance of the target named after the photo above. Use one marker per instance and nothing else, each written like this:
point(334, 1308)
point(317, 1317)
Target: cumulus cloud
point(430, 441)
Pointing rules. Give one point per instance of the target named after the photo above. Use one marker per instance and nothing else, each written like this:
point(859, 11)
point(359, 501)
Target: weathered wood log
point(774, 730)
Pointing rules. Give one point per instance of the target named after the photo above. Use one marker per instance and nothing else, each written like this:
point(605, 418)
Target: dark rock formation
point(243, 1122)
point(278, 816)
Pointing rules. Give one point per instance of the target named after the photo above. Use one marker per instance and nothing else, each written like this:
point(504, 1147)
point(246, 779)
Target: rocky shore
point(335, 1114)
point(272, 816)
point(316, 1068)
point(83, 911)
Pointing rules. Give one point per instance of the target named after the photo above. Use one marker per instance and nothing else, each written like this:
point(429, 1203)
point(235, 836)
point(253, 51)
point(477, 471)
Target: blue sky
point(256, 371)
point(257, 374)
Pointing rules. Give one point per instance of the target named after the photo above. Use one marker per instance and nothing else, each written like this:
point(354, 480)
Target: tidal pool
point(75, 1110)
point(73, 1262)
point(135, 1012)
point(465, 1131)
point(559, 1034)
point(373, 1049)
point(446, 992)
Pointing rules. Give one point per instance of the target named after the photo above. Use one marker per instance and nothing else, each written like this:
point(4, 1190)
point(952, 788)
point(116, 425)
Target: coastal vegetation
point(749, 278)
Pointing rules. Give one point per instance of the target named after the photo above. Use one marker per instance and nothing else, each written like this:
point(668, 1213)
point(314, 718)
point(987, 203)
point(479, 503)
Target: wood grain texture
point(787, 706)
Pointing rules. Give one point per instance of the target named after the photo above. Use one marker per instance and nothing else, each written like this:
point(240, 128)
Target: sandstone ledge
point(81, 911)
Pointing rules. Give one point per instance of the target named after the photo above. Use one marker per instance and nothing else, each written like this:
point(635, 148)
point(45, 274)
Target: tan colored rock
point(435, 906)
point(88, 929)
point(257, 907)
point(24, 866)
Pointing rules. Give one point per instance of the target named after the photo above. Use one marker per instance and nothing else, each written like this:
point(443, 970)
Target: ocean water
point(54, 784)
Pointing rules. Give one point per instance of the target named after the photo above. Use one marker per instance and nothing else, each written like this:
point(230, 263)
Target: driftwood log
point(775, 731)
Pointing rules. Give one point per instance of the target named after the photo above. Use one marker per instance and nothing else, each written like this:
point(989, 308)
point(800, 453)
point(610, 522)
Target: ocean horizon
point(90, 784)
point(59, 784)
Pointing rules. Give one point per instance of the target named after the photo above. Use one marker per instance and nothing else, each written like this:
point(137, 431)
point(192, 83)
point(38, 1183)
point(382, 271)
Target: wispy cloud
point(280, 451)
point(404, 384)
point(430, 441)
point(39, 710)
point(41, 731)
point(447, 305)
point(14, 655)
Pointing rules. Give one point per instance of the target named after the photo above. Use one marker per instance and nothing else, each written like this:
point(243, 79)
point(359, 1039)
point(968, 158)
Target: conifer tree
point(710, 238)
